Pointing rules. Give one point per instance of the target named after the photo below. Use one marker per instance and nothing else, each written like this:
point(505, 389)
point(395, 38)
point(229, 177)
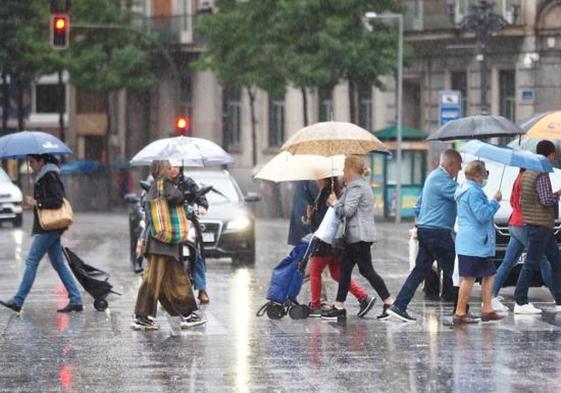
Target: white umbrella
point(287, 167)
point(184, 151)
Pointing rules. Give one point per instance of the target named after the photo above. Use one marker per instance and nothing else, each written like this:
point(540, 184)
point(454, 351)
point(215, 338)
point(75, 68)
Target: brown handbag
point(53, 219)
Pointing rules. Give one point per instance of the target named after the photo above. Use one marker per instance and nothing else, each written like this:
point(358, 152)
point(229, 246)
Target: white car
point(10, 201)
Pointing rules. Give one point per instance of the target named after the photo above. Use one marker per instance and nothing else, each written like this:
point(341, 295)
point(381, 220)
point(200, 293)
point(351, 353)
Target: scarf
point(49, 167)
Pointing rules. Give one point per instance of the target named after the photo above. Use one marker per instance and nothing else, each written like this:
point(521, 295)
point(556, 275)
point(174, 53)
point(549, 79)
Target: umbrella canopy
point(183, 151)
point(332, 138)
point(23, 143)
point(544, 126)
point(507, 156)
point(476, 127)
point(287, 167)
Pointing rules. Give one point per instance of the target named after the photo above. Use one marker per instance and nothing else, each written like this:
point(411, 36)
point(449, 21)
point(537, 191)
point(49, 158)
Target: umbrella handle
point(29, 181)
point(502, 176)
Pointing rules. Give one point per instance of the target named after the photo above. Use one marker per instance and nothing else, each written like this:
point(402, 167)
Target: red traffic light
point(59, 23)
point(182, 124)
point(60, 30)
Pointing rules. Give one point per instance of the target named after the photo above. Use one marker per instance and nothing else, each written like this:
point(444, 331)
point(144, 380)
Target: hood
point(463, 188)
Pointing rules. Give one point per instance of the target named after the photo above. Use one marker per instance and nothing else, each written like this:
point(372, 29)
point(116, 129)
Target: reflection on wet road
point(237, 352)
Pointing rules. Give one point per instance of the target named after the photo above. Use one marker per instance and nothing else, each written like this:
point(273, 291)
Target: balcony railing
point(433, 14)
point(176, 29)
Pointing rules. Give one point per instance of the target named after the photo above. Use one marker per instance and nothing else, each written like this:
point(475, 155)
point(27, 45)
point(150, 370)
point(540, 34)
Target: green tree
point(107, 54)
point(25, 53)
point(241, 54)
point(325, 41)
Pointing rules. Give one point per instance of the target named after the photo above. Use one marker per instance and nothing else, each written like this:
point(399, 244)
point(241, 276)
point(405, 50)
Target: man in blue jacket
point(434, 231)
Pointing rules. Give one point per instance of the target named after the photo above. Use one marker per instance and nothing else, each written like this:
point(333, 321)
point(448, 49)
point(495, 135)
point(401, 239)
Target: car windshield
point(4, 178)
point(227, 191)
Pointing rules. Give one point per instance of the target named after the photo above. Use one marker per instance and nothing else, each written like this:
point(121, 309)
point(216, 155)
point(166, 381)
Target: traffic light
point(182, 125)
point(60, 29)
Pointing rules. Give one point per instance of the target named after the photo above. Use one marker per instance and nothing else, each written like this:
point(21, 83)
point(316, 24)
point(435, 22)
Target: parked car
point(503, 215)
point(11, 200)
point(228, 229)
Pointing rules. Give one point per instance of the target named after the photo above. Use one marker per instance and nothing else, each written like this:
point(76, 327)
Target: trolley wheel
point(276, 311)
point(100, 304)
point(299, 311)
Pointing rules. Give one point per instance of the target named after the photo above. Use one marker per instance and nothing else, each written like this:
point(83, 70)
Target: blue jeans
point(434, 244)
point(541, 241)
point(41, 244)
point(199, 281)
point(516, 245)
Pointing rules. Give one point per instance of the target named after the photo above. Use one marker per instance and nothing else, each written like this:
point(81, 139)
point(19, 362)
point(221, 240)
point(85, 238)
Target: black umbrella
point(476, 127)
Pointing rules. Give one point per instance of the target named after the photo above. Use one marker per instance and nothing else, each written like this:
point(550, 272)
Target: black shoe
point(334, 313)
point(401, 314)
point(366, 305)
point(11, 306)
point(384, 315)
point(71, 307)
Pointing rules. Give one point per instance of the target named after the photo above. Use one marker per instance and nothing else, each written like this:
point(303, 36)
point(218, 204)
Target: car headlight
point(238, 224)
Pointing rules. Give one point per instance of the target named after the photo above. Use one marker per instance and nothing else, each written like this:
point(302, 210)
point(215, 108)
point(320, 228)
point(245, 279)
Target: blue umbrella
point(507, 156)
point(23, 143)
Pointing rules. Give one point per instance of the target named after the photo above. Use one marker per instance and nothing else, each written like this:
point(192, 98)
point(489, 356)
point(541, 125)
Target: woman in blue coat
point(475, 242)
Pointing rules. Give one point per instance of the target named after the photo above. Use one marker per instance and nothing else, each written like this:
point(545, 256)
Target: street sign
point(450, 106)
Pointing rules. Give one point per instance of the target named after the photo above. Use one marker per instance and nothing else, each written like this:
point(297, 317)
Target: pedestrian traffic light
point(60, 29)
point(182, 125)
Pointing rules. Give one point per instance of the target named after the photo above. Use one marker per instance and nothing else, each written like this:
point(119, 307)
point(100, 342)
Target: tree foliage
point(308, 43)
point(112, 55)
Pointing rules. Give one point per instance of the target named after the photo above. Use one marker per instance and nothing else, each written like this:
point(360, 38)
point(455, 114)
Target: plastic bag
point(329, 226)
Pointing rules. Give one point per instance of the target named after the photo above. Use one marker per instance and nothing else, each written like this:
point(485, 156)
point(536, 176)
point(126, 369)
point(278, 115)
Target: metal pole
point(399, 118)
point(483, 70)
point(62, 107)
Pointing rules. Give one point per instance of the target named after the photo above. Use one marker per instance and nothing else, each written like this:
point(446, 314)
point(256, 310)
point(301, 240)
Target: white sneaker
point(526, 309)
point(557, 308)
point(497, 305)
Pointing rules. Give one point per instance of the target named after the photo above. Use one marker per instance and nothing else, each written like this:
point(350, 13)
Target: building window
point(49, 98)
point(458, 81)
point(325, 100)
point(507, 94)
point(365, 107)
point(276, 121)
point(232, 108)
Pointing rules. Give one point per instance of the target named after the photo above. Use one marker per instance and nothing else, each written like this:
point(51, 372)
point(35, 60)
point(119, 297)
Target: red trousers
point(317, 264)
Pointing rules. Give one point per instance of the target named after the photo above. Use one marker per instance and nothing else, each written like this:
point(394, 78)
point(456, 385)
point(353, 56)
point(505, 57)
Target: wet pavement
point(43, 351)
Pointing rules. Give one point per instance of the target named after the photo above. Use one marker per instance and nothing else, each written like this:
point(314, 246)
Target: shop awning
point(407, 134)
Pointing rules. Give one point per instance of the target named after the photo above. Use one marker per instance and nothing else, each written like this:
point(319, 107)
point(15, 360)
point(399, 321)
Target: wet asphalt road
point(43, 351)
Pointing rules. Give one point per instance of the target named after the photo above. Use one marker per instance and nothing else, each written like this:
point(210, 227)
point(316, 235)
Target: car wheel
point(18, 221)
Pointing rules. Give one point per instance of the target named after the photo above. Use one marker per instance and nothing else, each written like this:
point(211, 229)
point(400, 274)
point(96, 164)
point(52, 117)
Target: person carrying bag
point(164, 278)
point(49, 222)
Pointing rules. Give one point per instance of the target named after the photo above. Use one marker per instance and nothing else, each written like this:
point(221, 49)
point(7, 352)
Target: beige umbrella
point(287, 167)
point(332, 138)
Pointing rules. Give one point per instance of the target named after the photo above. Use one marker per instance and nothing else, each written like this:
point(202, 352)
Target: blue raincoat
point(476, 232)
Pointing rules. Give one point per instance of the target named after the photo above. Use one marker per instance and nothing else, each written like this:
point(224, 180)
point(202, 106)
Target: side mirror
point(252, 197)
point(131, 198)
point(145, 185)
